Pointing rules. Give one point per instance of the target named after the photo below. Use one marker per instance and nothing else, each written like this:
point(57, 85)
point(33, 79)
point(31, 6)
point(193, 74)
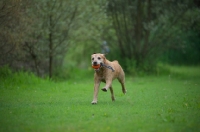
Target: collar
point(109, 67)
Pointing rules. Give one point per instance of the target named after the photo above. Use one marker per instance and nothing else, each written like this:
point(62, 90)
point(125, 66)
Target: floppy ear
point(103, 54)
point(104, 57)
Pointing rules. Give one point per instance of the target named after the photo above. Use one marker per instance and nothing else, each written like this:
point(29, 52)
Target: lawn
point(152, 103)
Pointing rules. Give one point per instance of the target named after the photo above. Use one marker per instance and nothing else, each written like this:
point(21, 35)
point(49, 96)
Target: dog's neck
point(107, 66)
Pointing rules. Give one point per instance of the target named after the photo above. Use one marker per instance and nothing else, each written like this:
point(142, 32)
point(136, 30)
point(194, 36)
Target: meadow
point(167, 102)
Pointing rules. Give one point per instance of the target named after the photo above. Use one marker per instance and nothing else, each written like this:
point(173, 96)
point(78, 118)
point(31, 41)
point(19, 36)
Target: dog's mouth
point(97, 67)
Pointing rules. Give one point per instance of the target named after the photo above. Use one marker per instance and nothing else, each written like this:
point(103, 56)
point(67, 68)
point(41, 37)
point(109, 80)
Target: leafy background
point(47, 37)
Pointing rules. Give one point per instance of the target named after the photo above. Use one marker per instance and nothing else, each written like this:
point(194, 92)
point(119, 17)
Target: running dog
point(107, 72)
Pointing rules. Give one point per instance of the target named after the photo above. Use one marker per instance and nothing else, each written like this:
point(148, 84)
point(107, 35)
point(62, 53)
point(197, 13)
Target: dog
point(107, 72)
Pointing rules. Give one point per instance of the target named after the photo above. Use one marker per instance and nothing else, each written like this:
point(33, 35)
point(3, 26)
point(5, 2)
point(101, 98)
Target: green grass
point(179, 71)
point(152, 103)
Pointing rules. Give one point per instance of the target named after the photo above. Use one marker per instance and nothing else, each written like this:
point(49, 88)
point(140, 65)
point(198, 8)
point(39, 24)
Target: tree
point(188, 53)
point(144, 29)
point(53, 20)
point(10, 17)
point(43, 32)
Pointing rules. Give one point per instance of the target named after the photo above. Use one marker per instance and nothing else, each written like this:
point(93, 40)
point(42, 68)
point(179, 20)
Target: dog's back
point(117, 68)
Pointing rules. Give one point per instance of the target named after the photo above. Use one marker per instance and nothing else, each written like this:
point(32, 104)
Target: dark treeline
point(148, 31)
point(43, 36)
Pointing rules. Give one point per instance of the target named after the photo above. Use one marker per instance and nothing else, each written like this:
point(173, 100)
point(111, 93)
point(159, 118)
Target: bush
point(11, 78)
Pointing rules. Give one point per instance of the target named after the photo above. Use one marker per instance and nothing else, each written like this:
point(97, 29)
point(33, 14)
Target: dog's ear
point(104, 57)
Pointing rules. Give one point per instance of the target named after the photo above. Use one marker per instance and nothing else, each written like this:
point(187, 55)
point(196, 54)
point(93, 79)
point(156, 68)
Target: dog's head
point(98, 59)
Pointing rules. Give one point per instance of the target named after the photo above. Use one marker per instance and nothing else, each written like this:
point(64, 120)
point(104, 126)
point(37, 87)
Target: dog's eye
point(92, 58)
point(99, 58)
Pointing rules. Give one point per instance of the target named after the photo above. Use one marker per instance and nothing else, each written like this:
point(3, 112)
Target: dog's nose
point(94, 63)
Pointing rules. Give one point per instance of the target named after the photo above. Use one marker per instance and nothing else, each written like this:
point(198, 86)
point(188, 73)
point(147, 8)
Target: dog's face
point(97, 59)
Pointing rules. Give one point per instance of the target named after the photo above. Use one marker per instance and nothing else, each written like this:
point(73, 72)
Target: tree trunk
point(50, 48)
point(138, 34)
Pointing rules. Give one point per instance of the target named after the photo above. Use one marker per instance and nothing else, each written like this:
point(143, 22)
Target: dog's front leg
point(96, 90)
point(108, 85)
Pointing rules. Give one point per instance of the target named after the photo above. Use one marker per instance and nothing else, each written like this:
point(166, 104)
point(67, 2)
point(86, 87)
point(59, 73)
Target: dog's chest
point(101, 76)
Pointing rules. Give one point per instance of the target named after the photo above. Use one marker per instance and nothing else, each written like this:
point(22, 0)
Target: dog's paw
point(113, 98)
point(94, 102)
point(124, 91)
point(104, 89)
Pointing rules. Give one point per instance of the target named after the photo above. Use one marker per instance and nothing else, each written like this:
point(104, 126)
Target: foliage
point(17, 78)
point(155, 103)
point(10, 35)
point(47, 37)
point(52, 25)
point(188, 52)
point(52, 29)
point(145, 29)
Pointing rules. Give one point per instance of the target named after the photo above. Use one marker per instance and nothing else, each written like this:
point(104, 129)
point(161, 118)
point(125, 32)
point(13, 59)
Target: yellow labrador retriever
point(107, 72)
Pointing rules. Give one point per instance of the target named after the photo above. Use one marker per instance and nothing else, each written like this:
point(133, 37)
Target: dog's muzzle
point(96, 64)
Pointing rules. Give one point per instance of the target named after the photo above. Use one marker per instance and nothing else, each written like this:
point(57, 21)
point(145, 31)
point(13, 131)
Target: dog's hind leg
point(123, 88)
point(122, 81)
point(112, 94)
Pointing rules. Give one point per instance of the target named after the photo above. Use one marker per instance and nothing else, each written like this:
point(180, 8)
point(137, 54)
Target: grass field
point(164, 103)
